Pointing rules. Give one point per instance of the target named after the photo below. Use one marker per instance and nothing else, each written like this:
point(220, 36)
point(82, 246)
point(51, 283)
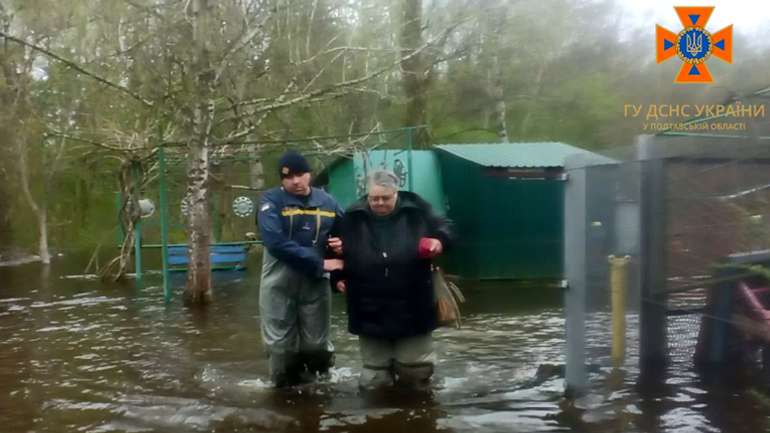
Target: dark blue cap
point(292, 163)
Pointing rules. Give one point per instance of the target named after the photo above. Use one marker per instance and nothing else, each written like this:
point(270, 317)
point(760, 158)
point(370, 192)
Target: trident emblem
point(694, 44)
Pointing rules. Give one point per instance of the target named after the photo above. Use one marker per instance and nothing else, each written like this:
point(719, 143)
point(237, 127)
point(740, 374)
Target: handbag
point(447, 297)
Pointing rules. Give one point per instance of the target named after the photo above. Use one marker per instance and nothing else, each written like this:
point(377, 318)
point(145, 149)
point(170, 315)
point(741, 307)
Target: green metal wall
point(342, 183)
point(508, 229)
point(347, 179)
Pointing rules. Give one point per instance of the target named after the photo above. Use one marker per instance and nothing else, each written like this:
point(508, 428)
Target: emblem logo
point(694, 45)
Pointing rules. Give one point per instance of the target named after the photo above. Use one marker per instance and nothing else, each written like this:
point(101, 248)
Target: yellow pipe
point(619, 287)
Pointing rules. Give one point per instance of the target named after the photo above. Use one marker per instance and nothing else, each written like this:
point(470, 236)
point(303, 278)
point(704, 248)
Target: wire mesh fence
point(680, 209)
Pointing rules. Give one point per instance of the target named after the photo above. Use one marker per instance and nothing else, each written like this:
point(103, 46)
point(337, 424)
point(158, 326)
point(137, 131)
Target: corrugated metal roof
point(522, 155)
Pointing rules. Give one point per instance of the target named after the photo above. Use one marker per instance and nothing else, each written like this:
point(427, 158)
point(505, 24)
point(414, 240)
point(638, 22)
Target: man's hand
point(335, 244)
point(333, 265)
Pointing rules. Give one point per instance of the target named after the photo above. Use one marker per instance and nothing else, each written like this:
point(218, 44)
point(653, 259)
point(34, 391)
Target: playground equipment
point(232, 205)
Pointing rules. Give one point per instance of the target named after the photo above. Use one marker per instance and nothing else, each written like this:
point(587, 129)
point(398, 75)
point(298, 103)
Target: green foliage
point(565, 70)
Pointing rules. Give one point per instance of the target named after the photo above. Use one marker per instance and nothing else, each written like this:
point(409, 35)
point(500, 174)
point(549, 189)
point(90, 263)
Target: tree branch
point(238, 46)
point(57, 134)
point(320, 94)
point(149, 9)
point(72, 65)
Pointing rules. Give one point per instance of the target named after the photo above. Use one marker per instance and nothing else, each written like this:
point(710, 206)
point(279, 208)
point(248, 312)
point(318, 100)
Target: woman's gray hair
point(383, 178)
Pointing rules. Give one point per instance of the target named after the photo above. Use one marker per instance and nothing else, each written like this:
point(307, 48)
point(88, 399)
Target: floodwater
point(84, 356)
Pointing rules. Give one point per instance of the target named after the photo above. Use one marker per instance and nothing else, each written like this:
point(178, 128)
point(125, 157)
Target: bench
point(223, 257)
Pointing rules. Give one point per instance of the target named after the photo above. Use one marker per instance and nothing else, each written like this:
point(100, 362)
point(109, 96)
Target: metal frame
point(163, 197)
point(652, 155)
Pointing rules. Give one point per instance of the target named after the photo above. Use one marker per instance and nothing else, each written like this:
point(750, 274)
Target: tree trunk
point(414, 72)
point(198, 288)
point(41, 211)
point(42, 225)
point(5, 215)
point(498, 95)
point(492, 29)
point(129, 179)
point(256, 169)
point(13, 75)
point(535, 95)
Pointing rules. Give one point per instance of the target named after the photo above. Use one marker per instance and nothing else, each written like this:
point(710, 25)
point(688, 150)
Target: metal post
point(164, 222)
point(653, 324)
point(618, 289)
point(137, 231)
point(722, 295)
point(409, 142)
point(217, 220)
point(575, 247)
point(138, 252)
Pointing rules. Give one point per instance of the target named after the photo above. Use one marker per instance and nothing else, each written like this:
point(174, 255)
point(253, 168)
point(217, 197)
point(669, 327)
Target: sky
point(746, 16)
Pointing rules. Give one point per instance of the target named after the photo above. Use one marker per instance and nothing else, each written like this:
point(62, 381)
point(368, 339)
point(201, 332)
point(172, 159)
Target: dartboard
point(243, 206)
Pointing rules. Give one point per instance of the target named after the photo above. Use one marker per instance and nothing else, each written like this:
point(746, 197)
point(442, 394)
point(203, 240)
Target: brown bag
point(448, 297)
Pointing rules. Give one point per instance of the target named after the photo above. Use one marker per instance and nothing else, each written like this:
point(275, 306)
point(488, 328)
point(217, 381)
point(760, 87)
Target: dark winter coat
point(389, 288)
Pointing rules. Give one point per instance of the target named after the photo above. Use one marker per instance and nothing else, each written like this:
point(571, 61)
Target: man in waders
point(295, 222)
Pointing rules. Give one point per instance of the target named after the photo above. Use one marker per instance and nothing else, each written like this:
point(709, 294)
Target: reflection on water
point(76, 355)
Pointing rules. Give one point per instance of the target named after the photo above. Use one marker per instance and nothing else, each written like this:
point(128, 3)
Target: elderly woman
point(389, 238)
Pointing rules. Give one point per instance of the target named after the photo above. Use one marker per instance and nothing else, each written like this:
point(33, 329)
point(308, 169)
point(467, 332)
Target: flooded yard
point(84, 356)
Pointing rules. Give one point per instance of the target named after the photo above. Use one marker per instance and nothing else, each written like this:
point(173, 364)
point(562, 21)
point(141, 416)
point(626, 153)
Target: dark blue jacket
point(295, 229)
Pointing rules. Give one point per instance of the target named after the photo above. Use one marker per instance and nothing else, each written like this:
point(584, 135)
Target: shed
point(507, 204)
